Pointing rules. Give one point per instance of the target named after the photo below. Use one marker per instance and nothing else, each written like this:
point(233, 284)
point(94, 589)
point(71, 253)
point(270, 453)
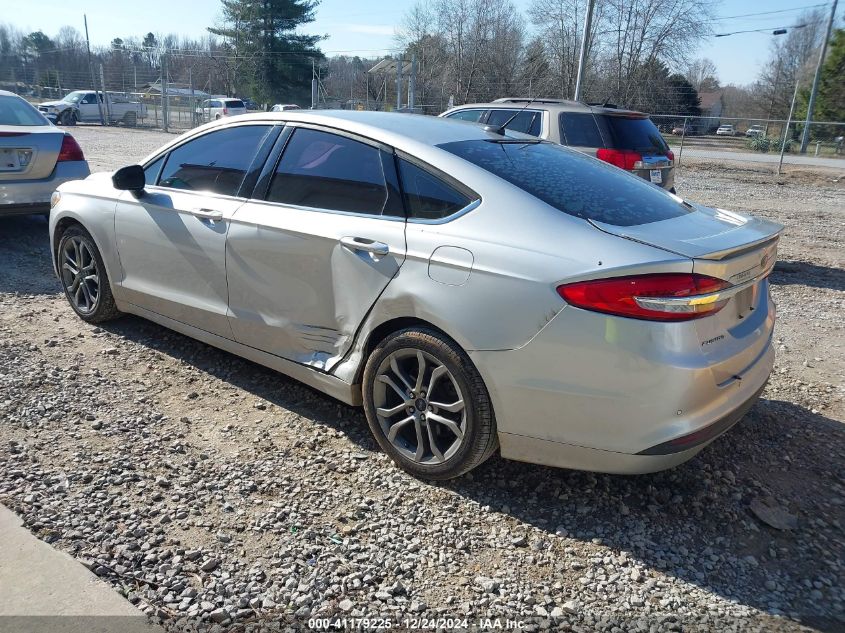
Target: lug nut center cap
point(420, 404)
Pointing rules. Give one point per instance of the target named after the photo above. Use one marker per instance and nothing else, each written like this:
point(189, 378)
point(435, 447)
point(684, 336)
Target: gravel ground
point(210, 490)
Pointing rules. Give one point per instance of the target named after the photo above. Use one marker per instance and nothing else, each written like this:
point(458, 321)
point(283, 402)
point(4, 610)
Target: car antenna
point(500, 129)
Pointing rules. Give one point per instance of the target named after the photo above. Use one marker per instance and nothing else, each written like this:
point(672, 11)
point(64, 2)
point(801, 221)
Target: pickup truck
point(81, 105)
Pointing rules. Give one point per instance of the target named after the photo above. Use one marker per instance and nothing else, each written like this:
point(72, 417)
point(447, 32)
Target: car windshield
point(74, 97)
point(638, 134)
point(572, 182)
point(16, 111)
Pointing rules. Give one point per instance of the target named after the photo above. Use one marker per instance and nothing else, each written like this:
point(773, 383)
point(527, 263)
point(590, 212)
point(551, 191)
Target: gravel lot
point(211, 490)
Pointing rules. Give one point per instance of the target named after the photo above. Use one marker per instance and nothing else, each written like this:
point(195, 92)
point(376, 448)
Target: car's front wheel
point(68, 117)
point(84, 277)
point(427, 405)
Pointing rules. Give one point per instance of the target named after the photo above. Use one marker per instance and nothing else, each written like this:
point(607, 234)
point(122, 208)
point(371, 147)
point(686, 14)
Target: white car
point(215, 109)
point(755, 130)
point(281, 107)
point(82, 105)
point(726, 130)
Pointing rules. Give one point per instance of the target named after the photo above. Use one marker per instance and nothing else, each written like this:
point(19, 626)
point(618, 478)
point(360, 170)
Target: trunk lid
point(736, 248)
point(28, 152)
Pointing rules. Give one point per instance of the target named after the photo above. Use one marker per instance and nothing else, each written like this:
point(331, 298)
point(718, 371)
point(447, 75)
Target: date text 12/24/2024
point(412, 623)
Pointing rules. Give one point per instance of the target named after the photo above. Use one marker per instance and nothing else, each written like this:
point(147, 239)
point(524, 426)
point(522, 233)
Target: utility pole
point(104, 101)
point(805, 138)
point(91, 68)
point(582, 58)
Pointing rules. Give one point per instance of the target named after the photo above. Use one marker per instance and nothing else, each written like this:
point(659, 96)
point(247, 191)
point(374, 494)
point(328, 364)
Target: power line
point(749, 15)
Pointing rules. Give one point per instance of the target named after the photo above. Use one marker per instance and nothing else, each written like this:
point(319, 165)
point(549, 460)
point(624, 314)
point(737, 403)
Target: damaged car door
point(322, 237)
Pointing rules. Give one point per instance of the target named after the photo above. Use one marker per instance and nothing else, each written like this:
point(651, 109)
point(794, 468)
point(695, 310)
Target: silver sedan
point(35, 157)
point(471, 290)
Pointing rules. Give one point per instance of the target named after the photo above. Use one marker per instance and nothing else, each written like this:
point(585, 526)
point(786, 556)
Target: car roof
point(6, 93)
point(552, 105)
point(391, 128)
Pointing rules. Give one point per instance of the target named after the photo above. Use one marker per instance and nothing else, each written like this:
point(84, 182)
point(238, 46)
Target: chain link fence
point(751, 140)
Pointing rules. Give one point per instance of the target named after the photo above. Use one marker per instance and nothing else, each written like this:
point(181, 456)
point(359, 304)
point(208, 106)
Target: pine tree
point(275, 61)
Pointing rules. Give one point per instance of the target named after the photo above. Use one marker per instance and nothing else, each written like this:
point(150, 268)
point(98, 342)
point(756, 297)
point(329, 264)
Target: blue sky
point(366, 27)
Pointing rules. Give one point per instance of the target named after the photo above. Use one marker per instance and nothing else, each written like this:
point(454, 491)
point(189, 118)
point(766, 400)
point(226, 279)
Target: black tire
point(130, 119)
point(103, 307)
point(68, 117)
point(479, 440)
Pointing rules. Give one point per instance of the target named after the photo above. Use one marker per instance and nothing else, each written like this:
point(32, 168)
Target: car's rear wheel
point(427, 405)
point(84, 277)
point(130, 119)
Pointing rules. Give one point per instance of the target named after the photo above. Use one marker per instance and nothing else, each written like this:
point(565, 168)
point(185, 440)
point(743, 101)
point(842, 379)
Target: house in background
point(712, 104)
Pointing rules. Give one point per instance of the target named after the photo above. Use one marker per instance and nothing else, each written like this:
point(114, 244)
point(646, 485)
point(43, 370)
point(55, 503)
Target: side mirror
point(130, 178)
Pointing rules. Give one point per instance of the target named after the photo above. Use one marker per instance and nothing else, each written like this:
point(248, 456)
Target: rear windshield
point(572, 182)
point(16, 111)
point(640, 135)
point(235, 103)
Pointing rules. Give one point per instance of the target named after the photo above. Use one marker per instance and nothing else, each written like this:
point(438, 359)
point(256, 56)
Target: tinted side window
point(235, 103)
point(427, 197)
point(525, 121)
point(580, 129)
point(215, 162)
point(328, 171)
point(152, 170)
point(467, 115)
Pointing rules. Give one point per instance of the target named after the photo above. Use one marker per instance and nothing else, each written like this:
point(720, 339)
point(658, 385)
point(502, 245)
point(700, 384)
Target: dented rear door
point(307, 260)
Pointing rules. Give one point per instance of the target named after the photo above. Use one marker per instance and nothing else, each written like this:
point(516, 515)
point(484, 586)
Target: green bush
point(767, 143)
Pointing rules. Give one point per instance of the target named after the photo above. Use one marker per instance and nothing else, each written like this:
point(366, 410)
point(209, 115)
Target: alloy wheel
point(80, 275)
point(419, 406)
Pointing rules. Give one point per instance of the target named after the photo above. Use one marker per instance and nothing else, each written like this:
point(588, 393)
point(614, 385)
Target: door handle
point(208, 214)
point(368, 246)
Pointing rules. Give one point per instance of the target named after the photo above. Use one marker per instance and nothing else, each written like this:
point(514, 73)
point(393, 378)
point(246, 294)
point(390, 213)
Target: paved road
point(756, 157)
point(43, 589)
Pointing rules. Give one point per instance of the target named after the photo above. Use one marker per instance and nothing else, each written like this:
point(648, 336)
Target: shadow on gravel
point(25, 251)
point(807, 274)
point(693, 522)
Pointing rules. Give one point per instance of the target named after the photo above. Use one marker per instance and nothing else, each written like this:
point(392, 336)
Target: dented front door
point(301, 280)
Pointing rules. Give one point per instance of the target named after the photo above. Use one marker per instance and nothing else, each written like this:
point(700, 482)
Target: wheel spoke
point(449, 424)
point(394, 430)
point(420, 372)
point(388, 413)
point(451, 408)
point(70, 269)
point(420, 444)
point(389, 381)
point(433, 445)
point(435, 376)
point(69, 264)
point(395, 367)
point(89, 301)
point(76, 295)
point(77, 254)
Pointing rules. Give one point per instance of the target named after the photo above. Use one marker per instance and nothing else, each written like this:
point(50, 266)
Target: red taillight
point(670, 155)
point(70, 150)
point(624, 158)
point(225, 110)
point(618, 296)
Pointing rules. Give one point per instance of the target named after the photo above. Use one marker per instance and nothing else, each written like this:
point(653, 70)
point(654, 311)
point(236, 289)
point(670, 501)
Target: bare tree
point(702, 74)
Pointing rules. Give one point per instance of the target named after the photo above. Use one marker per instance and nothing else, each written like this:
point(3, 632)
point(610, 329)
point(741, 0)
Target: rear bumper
point(622, 396)
point(33, 196)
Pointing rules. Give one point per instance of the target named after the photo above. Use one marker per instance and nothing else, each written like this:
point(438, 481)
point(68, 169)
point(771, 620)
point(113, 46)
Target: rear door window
point(236, 103)
point(525, 121)
point(329, 171)
point(579, 129)
point(637, 134)
point(571, 182)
